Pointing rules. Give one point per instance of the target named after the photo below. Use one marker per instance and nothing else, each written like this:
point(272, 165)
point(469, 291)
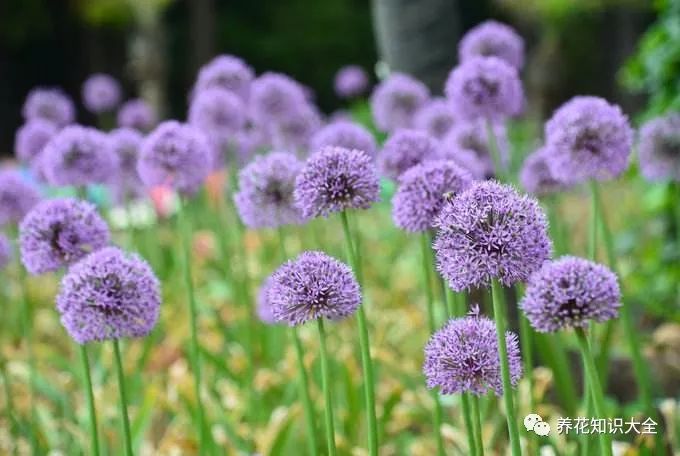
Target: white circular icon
point(530, 421)
point(542, 428)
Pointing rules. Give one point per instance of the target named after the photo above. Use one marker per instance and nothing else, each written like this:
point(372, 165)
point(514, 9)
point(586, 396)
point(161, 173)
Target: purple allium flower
point(395, 101)
point(110, 294)
point(273, 97)
point(294, 131)
point(249, 142)
point(405, 149)
point(350, 81)
point(423, 190)
point(468, 144)
point(485, 87)
point(125, 143)
point(17, 197)
point(463, 357)
point(335, 179)
point(344, 133)
point(659, 148)
point(78, 156)
point(175, 154)
point(490, 232)
point(31, 138)
point(101, 93)
point(264, 305)
point(5, 251)
point(49, 104)
point(435, 118)
point(265, 196)
point(218, 113)
point(493, 39)
point(226, 72)
point(314, 285)
point(137, 114)
point(588, 138)
point(536, 177)
point(58, 232)
point(568, 293)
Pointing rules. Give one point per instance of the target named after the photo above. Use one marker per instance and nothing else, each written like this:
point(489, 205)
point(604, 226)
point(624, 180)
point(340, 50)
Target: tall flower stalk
point(120, 374)
point(326, 386)
point(91, 410)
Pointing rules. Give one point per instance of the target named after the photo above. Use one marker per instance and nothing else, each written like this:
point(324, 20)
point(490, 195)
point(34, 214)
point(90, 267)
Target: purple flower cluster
point(17, 197)
point(109, 295)
point(659, 148)
point(569, 293)
point(273, 97)
point(335, 179)
point(51, 105)
point(350, 81)
point(125, 144)
point(396, 100)
point(536, 177)
point(435, 118)
point(312, 286)
point(5, 251)
point(265, 196)
point(468, 145)
point(101, 93)
point(405, 149)
point(492, 39)
point(137, 114)
point(226, 72)
point(423, 190)
point(78, 156)
point(58, 232)
point(485, 87)
point(264, 305)
point(490, 232)
point(175, 154)
point(344, 133)
point(295, 131)
point(31, 139)
point(463, 357)
point(588, 138)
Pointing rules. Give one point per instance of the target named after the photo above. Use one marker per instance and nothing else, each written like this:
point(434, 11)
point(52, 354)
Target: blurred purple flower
point(490, 232)
point(273, 97)
point(659, 148)
point(110, 294)
point(468, 144)
point(17, 197)
point(58, 232)
point(335, 179)
point(395, 101)
point(30, 140)
point(5, 251)
point(344, 133)
point(536, 177)
point(225, 72)
point(49, 104)
point(125, 143)
point(312, 286)
point(405, 149)
point(101, 93)
point(351, 81)
point(435, 118)
point(569, 293)
point(137, 114)
point(493, 39)
point(294, 131)
point(588, 138)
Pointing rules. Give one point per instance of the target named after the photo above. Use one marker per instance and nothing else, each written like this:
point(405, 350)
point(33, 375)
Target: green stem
point(365, 347)
point(474, 402)
point(511, 415)
point(596, 394)
point(499, 169)
point(326, 386)
point(195, 353)
point(94, 435)
point(467, 419)
point(123, 399)
point(554, 354)
point(429, 296)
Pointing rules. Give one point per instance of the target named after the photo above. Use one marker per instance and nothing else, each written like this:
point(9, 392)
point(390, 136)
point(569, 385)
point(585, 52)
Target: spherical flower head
point(125, 143)
point(78, 156)
point(265, 196)
point(485, 87)
point(463, 357)
point(435, 118)
point(49, 104)
point(405, 149)
point(312, 286)
point(17, 197)
point(350, 81)
point(218, 113)
point(58, 232)
point(490, 232)
point(588, 138)
point(226, 72)
point(422, 191)
point(137, 114)
point(176, 155)
point(5, 251)
point(659, 148)
point(264, 305)
point(109, 295)
point(536, 177)
point(569, 293)
point(31, 138)
point(344, 133)
point(295, 131)
point(395, 101)
point(493, 39)
point(468, 144)
point(336, 179)
point(101, 93)
point(273, 97)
